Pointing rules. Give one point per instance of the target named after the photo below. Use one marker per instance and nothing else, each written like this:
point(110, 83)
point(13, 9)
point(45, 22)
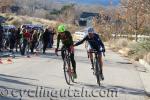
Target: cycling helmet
point(61, 28)
point(90, 30)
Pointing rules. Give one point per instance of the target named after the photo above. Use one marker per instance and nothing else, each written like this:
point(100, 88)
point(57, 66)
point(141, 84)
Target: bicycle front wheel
point(67, 72)
point(97, 72)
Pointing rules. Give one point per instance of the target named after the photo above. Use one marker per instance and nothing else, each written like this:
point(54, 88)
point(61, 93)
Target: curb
point(145, 77)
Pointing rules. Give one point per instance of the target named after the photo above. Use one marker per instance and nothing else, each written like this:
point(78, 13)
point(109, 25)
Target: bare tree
point(135, 14)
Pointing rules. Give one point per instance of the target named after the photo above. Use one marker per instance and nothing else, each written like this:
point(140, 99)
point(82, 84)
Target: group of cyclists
point(32, 38)
point(93, 40)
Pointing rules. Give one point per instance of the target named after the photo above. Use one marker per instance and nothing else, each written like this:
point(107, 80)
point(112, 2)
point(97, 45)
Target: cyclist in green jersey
point(67, 41)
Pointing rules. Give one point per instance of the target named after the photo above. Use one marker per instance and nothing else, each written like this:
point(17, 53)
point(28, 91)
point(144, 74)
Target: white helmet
point(90, 30)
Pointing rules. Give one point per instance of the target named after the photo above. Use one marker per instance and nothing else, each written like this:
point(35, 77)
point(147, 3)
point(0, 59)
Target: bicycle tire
point(97, 72)
point(66, 72)
point(70, 70)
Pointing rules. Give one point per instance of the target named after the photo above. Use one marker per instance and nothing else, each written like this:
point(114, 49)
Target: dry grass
point(118, 44)
point(19, 20)
point(122, 43)
point(132, 49)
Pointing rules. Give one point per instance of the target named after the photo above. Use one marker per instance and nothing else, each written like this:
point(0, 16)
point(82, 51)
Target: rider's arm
point(81, 41)
point(100, 42)
point(58, 41)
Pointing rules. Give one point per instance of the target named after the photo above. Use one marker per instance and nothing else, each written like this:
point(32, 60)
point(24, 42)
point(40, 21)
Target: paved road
point(41, 78)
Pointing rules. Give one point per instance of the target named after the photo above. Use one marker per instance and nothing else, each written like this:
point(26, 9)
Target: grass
point(132, 49)
point(139, 50)
point(18, 20)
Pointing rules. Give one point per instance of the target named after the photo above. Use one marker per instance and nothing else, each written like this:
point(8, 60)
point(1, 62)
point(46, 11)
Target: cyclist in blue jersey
point(94, 42)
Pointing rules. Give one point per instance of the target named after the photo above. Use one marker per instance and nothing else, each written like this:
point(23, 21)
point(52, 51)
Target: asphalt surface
point(41, 77)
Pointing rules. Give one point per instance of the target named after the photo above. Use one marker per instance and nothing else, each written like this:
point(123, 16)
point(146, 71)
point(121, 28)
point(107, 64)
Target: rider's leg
point(62, 52)
point(91, 58)
point(89, 49)
point(101, 62)
point(62, 55)
point(73, 65)
point(73, 62)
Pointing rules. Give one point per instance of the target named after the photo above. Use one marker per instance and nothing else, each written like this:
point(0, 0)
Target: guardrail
point(140, 37)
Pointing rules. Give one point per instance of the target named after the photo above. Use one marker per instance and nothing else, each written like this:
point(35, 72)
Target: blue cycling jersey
point(95, 42)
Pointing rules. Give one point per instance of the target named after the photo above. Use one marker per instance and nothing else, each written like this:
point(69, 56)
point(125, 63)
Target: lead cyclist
point(67, 41)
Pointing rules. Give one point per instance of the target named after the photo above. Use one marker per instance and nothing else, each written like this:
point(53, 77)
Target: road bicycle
point(97, 70)
point(67, 67)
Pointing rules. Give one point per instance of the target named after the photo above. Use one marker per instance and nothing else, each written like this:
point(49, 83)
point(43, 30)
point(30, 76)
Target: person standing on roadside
point(17, 38)
point(26, 41)
point(40, 38)
point(1, 37)
point(12, 39)
point(34, 39)
point(52, 37)
point(46, 37)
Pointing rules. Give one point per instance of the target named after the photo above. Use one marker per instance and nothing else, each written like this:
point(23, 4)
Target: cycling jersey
point(66, 39)
point(95, 42)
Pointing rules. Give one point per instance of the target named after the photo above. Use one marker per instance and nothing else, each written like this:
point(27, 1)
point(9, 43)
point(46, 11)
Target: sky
point(102, 2)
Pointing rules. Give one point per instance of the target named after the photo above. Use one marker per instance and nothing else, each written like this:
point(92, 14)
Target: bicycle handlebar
point(60, 50)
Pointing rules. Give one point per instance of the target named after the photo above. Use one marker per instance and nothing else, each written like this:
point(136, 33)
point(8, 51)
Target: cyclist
point(94, 42)
point(67, 41)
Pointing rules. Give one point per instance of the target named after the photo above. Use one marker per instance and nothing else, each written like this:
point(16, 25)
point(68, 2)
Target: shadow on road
point(7, 98)
point(17, 77)
point(120, 89)
point(8, 79)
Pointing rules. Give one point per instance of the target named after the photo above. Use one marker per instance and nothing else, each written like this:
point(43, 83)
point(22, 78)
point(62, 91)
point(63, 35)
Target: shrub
point(138, 50)
point(121, 43)
point(16, 22)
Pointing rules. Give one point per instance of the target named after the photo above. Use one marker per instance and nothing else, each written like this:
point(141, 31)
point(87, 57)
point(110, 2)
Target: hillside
point(12, 19)
point(18, 20)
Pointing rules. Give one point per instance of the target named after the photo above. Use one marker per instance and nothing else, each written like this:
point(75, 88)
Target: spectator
point(40, 37)
point(52, 37)
point(1, 37)
point(12, 39)
point(17, 38)
point(26, 41)
point(46, 38)
point(34, 39)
